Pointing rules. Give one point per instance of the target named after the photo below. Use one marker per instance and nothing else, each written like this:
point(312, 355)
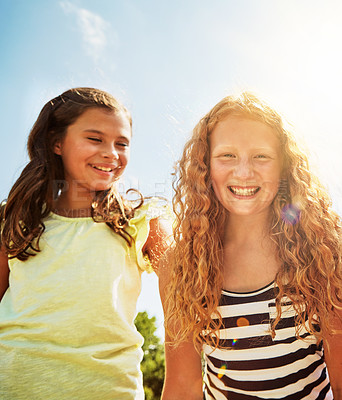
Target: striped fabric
point(255, 366)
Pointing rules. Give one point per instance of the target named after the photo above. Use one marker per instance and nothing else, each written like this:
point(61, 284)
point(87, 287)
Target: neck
point(246, 228)
point(67, 206)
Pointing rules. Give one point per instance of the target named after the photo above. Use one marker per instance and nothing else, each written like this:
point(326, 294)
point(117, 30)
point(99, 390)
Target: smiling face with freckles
point(94, 151)
point(245, 165)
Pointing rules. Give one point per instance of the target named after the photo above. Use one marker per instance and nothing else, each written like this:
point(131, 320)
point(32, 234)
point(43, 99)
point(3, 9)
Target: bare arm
point(4, 273)
point(333, 358)
point(183, 375)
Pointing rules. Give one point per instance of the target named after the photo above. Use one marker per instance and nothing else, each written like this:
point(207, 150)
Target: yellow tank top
point(67, 320)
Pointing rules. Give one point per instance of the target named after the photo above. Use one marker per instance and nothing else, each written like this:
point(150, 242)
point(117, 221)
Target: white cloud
point(93, 29)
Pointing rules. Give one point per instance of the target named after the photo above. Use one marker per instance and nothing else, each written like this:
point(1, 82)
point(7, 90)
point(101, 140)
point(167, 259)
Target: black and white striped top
point(255, 366)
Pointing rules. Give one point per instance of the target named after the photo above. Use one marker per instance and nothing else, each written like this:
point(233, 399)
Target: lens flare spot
point(221, 372)
point(242, 321)
point(290, 214)
point(234, 341)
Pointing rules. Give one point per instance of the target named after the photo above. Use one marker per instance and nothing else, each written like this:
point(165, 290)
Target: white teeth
point(103, 168)
point(243, 191)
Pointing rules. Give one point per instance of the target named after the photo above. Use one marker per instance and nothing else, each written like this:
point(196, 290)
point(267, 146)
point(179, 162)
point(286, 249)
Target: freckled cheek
point(271, 185)
point(219, 173)
point(270, 174)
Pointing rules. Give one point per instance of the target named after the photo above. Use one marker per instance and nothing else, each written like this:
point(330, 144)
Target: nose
point(243, 169)
point(109, 151)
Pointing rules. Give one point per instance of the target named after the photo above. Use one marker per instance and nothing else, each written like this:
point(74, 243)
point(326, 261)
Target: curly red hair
point(309, 246)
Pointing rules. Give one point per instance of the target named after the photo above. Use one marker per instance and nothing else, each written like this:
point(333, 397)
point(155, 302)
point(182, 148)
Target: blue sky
point(169, 62)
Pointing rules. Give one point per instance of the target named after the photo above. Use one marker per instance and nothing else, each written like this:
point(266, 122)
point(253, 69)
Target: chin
point(100, 187)
point(241, 213)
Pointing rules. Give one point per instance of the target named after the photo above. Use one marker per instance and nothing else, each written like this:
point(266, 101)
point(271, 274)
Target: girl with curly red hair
point(255, 280)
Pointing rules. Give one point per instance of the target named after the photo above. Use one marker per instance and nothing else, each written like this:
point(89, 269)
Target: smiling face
point(94, 151)
point(245, 165)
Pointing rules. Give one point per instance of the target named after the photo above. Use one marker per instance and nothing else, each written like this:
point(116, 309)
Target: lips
point(243, 191)
point(105, 167)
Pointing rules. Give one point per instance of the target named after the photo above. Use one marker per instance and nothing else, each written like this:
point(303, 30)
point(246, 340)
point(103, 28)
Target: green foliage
point(153, 363)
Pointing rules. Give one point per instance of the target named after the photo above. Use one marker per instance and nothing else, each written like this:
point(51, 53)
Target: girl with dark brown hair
point(72, 254)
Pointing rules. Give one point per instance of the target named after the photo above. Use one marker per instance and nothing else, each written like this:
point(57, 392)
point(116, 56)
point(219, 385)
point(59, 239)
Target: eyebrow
point(229, 146)
point(103, 134)
point(93, 131)
point(265, 149)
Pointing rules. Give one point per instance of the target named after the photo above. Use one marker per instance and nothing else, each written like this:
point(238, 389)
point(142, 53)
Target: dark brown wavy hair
point(31, 197)
point(305, 229)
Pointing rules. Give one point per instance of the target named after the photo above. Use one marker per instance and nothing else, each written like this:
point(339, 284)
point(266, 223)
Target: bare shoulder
point(159, 240)
point(160, 228)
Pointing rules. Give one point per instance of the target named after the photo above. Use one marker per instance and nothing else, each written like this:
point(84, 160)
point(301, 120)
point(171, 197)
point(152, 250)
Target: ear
point(57, 148)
